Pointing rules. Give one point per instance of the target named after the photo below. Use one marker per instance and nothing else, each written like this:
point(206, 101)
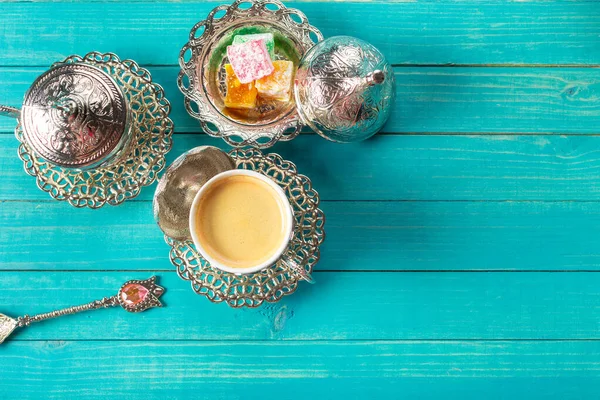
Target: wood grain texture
point(420, 32)
point(407, 167)
point(430, 100)
point(341, 306)
point(369, 236)
point(460, 259)
point(353, 370)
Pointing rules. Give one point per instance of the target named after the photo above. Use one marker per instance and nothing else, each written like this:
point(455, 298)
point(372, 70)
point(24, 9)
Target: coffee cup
point(242, 222)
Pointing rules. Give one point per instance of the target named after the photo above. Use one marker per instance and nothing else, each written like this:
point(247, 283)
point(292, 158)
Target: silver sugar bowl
point(75, 116)
point(344, 89)
point(202, 77)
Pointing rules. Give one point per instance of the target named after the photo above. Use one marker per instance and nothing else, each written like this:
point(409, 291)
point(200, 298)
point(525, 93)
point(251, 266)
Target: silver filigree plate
point(273, 283)
point(202, 62)
point(141, 160)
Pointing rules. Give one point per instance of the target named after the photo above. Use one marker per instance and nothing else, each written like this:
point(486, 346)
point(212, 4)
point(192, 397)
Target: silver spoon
point(133, 296)
point(13, 112)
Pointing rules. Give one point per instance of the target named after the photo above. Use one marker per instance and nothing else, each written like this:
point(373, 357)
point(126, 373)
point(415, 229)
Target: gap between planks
point(408, 65)
point(312, 341)
point(407, 133)
point(541, 201)
point(331, 271)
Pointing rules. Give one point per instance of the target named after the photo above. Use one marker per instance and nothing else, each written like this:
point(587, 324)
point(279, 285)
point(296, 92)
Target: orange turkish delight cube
point(239, 95)
point(277, 85)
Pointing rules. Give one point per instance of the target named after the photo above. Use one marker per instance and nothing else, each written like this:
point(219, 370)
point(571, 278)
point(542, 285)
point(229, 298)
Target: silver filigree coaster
point(272, 283)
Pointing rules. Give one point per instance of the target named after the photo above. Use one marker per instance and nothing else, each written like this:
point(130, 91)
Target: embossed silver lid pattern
point(74, 115)
point(344, 89)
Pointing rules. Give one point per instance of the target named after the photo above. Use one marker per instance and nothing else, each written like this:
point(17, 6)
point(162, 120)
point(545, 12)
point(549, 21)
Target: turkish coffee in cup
point(241, 221)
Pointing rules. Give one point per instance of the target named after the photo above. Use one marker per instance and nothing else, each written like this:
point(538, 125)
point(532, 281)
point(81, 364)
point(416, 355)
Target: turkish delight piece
point(250, 60)
point(239, 95)
point(278, 85)
point(267, 37)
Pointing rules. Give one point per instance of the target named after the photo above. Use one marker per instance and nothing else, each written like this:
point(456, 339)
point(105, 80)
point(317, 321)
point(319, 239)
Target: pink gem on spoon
point(134, 293)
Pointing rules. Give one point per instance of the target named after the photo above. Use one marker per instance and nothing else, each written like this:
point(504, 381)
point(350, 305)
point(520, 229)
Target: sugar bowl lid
point(344, 89)
point(74, 115)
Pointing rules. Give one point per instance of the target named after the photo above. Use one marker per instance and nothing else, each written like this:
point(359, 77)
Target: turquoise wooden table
point(462, 251)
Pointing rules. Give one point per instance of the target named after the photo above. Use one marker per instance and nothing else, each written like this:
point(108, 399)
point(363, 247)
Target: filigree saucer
point(141, 160)
point(272, 283)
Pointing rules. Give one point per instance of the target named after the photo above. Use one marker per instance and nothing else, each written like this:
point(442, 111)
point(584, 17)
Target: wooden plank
point(390, 236)
point(421, 369)
point(431, 100)
point(420, 32)
point(341, 306)
point(408, 167)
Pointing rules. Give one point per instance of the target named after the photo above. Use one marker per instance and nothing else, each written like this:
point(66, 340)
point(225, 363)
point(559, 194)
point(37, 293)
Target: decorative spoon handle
point(7, 111)
point(106, 302)
point(133, 296)
point(13, 112)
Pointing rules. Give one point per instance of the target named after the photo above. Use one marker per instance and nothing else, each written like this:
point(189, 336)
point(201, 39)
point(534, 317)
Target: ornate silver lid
point(344, 89)
point(178, 186)
point(74, 115)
